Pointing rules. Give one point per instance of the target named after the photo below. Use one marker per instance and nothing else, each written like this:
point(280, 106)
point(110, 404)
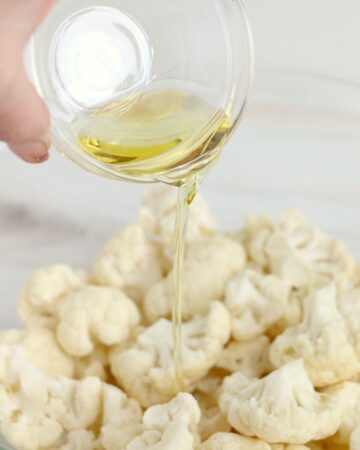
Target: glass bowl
point(298, 147)
point(143, 90)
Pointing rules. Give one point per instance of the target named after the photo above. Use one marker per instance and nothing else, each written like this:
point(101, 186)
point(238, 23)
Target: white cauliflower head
point(232, 441)
point(79, 440)
point(23, 399)
point(256, 302)
point(209, 264)
point(129, 262)
point(296, 251)
point(38, 412)
point(348, 394)
point(40, 298)
point(289, 447)
point(302, 254)
point(253, 236)
point(74, 404)
point(250, 358)
point(94, 365)
point(207, 392)
point(146, 369)
point(158, 213)
point(349, 306)
point(171, 426)
point(293, 311)
point(95, 314)
point(355, 439)
point(121, 421)
point(282, 407)
point(40, 346)
point(321, 339)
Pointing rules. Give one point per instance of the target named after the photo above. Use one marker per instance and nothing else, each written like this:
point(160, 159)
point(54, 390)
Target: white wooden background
point(297, 147)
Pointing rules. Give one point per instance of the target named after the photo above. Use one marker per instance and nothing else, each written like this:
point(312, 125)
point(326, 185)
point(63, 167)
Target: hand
point(24, 118)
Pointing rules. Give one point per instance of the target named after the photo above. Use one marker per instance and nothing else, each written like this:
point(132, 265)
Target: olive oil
point(186, 194)
point(153, 133)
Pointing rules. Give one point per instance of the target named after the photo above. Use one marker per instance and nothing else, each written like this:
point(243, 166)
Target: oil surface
point(144, 126)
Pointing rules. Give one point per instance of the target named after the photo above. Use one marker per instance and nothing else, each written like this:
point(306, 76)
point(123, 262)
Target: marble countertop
point(298, 146)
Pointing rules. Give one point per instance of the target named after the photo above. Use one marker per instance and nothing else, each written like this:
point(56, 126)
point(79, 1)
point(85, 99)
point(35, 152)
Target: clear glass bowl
point(298, 146)
point(90, 57)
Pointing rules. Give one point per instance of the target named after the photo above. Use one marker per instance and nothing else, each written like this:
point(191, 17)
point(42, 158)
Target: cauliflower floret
point(40, 346)
point(158, 212)
point(93, 315)
point(121, 421)
point(348, 394)
point(170, 427)
point(282, 407)
point(253, 236)
point(321, 339)
point(302, 254)
point(94, 365)
point(256, 302)
point(250, 358)
point(293, 312)
point(349, 306)
point(146, 369)
point(355, 439)
point(79, 440)
point(289, 447)
point(129, 262)
point(209, 264)
point(42, 294)
point(74, 404)
point(296, 251)
point(207, 392)
point(232, 441)
point(39, 412)
point(355, 282)
point(23, 421)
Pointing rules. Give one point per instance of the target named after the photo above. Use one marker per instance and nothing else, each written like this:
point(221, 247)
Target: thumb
point(24, 119)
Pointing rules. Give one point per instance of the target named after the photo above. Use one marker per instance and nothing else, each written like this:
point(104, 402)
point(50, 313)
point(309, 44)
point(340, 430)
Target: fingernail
point(32, 152)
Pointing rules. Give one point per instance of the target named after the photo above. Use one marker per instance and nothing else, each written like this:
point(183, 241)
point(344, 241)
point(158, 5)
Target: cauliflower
point(296, 251)
point(94, 365)
point(321, 339)
point(40, 346)
point(43, 292)
point(207, 395)
point(289, 447)
point(129, 262)
point(250, 358)
point(232, 441)
point(256, 302)
point(79, 440)
point(355, 439)
point(74, 404)
point(23, 395)
point(349, 306)
point(282, 407)
point(209, 264)
point(121, 422)
point(253, 236)
point(93, 315)
point(39, 412)
point(158, 212)
point(293, 312)
point(170, 427)
point(146, 368)
point(348, 394)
